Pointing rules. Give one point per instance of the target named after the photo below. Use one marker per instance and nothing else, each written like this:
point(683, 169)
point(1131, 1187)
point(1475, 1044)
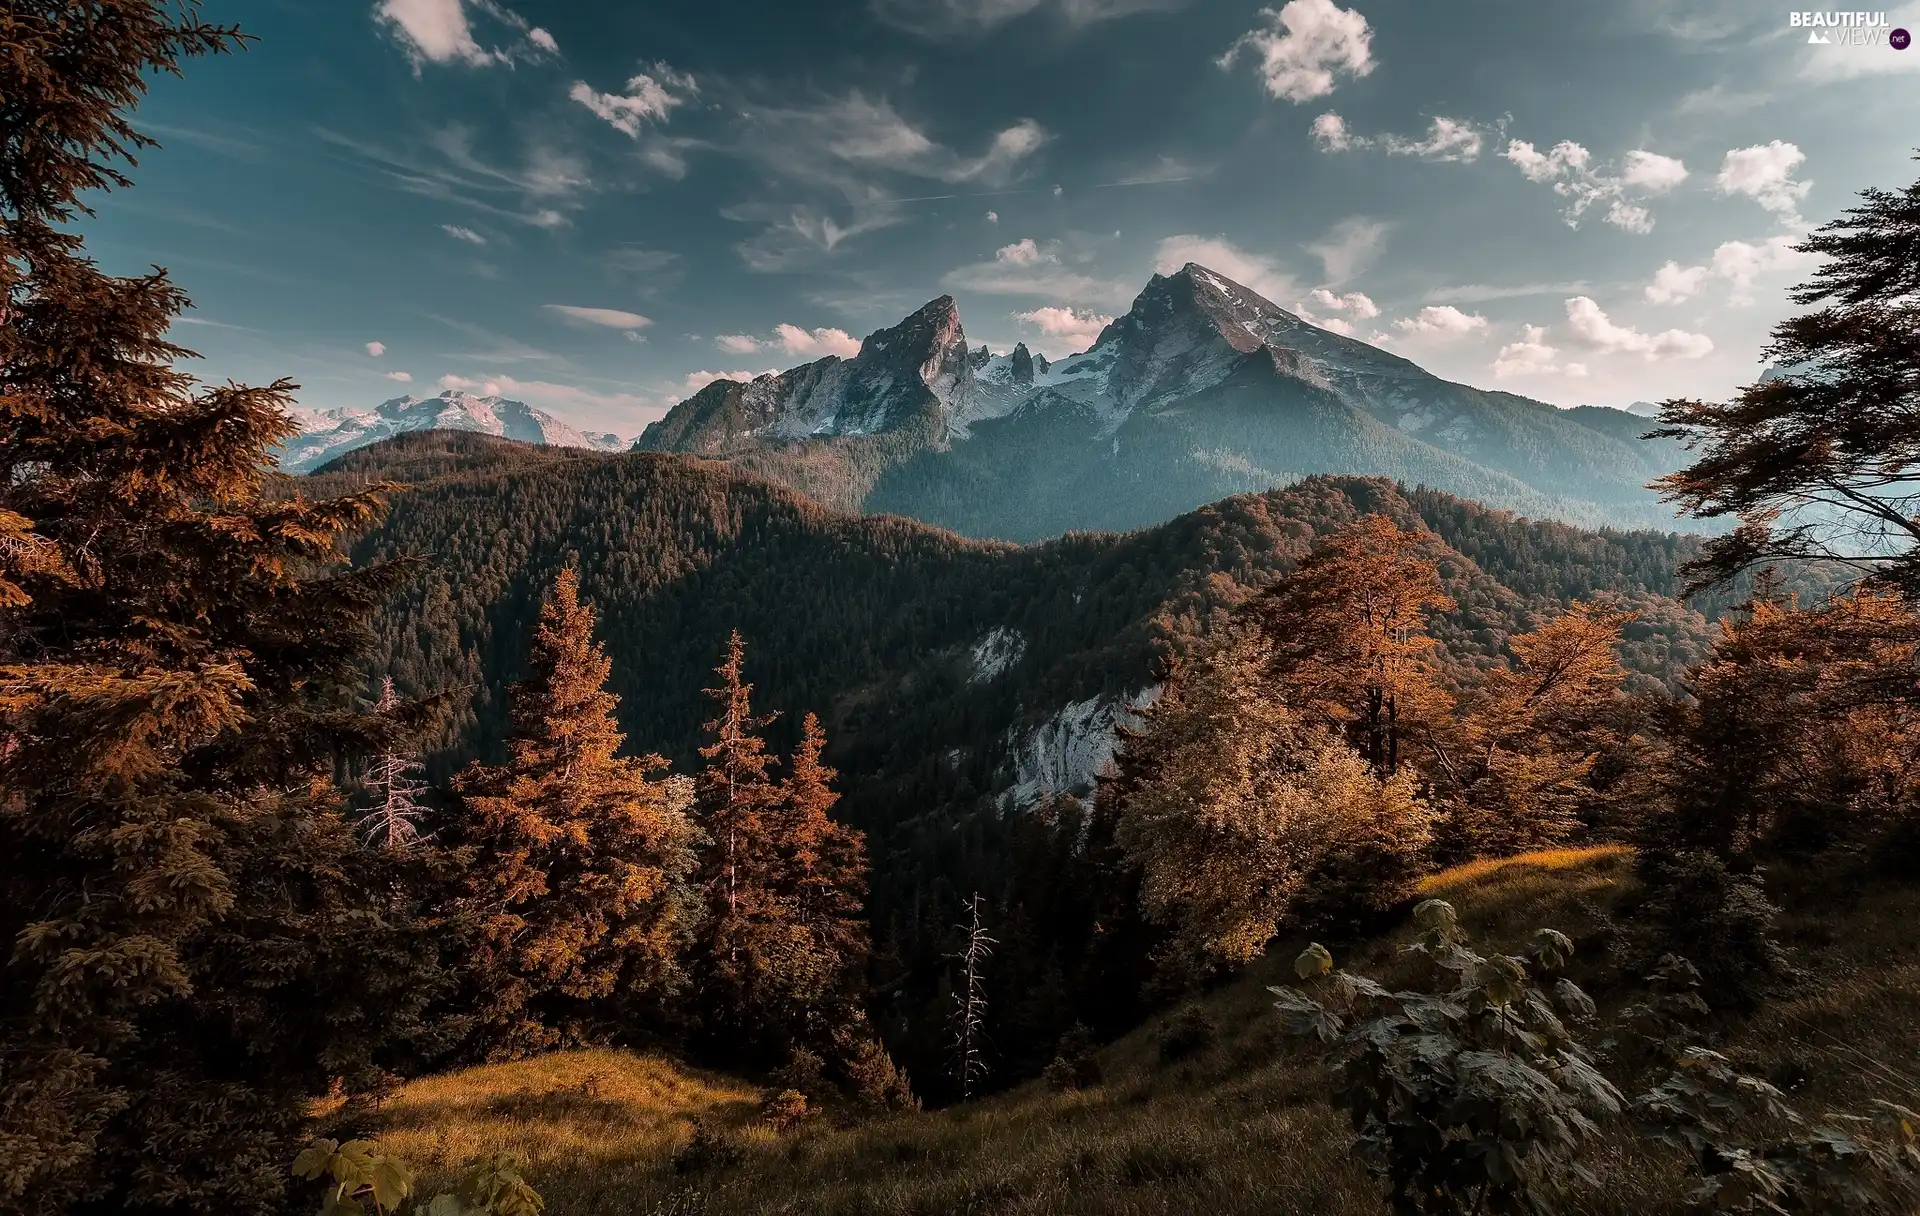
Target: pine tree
point(580, 878)
point(191, 956)
point(1822, 460)
point(394, 783)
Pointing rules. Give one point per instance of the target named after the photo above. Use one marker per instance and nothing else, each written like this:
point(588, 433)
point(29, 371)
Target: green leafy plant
point(359, 1178)
point(1472, 1097)
point(1756, 1153)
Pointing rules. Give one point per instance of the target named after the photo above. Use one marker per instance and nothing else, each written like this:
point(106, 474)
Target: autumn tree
point(580, 881)
point(822, 877)
point(1803, 728)
point(1243, 809)
point(192, 950)
point(1822, 460)
point(1515, 766)
point(1349, 641)
point(785, 953)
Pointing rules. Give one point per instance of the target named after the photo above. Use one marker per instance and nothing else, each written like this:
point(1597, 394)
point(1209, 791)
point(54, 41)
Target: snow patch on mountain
point(995, 653)
point(326, 434)
point(1065, 753)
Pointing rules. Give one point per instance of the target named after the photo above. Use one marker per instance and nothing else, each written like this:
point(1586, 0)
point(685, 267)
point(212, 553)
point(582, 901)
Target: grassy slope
point(1240, 1127)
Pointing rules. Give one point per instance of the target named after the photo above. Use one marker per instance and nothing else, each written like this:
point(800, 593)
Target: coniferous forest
point(474, 827)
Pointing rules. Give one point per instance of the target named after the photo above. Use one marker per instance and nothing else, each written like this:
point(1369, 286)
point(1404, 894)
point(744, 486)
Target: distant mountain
point(1644, 409)
point(1201, 390)
point(330, 433)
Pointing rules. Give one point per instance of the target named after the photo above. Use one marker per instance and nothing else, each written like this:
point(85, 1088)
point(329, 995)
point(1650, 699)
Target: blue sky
point(594, 206)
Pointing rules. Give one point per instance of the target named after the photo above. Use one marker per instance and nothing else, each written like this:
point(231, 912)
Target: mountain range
point(1203, 389)
point(326, 434)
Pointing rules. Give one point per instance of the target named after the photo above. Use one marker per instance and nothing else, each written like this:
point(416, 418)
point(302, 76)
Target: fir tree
point(191, 956)
point(736, 798)
point(579, 881)
point(824, 864)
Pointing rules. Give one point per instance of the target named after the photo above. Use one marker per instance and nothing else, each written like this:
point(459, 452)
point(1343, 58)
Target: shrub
point(1188, 1032)
point(1076, 1066)
point(785, 1110)
point(869, 1073)
point(1699, 908)
point(1472, 1097)
point(711, 1148)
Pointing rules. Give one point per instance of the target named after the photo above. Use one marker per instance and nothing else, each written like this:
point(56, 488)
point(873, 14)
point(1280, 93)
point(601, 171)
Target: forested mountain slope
point(955, 677)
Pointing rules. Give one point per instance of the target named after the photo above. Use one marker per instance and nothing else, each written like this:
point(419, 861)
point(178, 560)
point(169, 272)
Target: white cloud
point(607, 318)
point(376, 349)
point(696, 381)
point(1764, 173)
point(400, 377)
point(1652, 172)
point(1570, 169)
point(1331, 134)
point(648, 97)
point(1531, 356)
point(1673, 283)
point(993, 217)
point(1629, 217)
point(1565, 157)
point(1738, 263)
point(1071, 330)
point(436, 31)
point(1591, 328)
point(1358, 303)
point(463, 234)
point(1027, 268)
point(1254, 270)
point(797, 341)
point(1349, 247)
point(794, 340)
point(440, 31)
point(1306, 45)
point(1442, 321)
point(1447, 139)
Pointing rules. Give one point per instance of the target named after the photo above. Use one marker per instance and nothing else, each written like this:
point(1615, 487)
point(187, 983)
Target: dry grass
point(1236, 1128)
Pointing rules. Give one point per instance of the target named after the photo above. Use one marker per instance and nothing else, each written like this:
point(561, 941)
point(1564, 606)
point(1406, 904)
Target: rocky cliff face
point(918, 374)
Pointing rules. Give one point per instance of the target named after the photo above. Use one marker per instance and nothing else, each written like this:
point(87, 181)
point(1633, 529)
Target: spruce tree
point(824, 863)
point(192, 956)
point(582, 856)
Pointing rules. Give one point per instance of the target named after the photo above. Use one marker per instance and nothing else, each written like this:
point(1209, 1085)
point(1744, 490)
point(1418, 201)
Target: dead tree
point(970, 1001)
point(394, 779)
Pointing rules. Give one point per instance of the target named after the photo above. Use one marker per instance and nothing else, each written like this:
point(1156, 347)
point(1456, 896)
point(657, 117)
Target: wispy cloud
point(1447, 139)
point(1624, 187)
point(971, 18)
point(1258, 271)
point(1028, 268)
